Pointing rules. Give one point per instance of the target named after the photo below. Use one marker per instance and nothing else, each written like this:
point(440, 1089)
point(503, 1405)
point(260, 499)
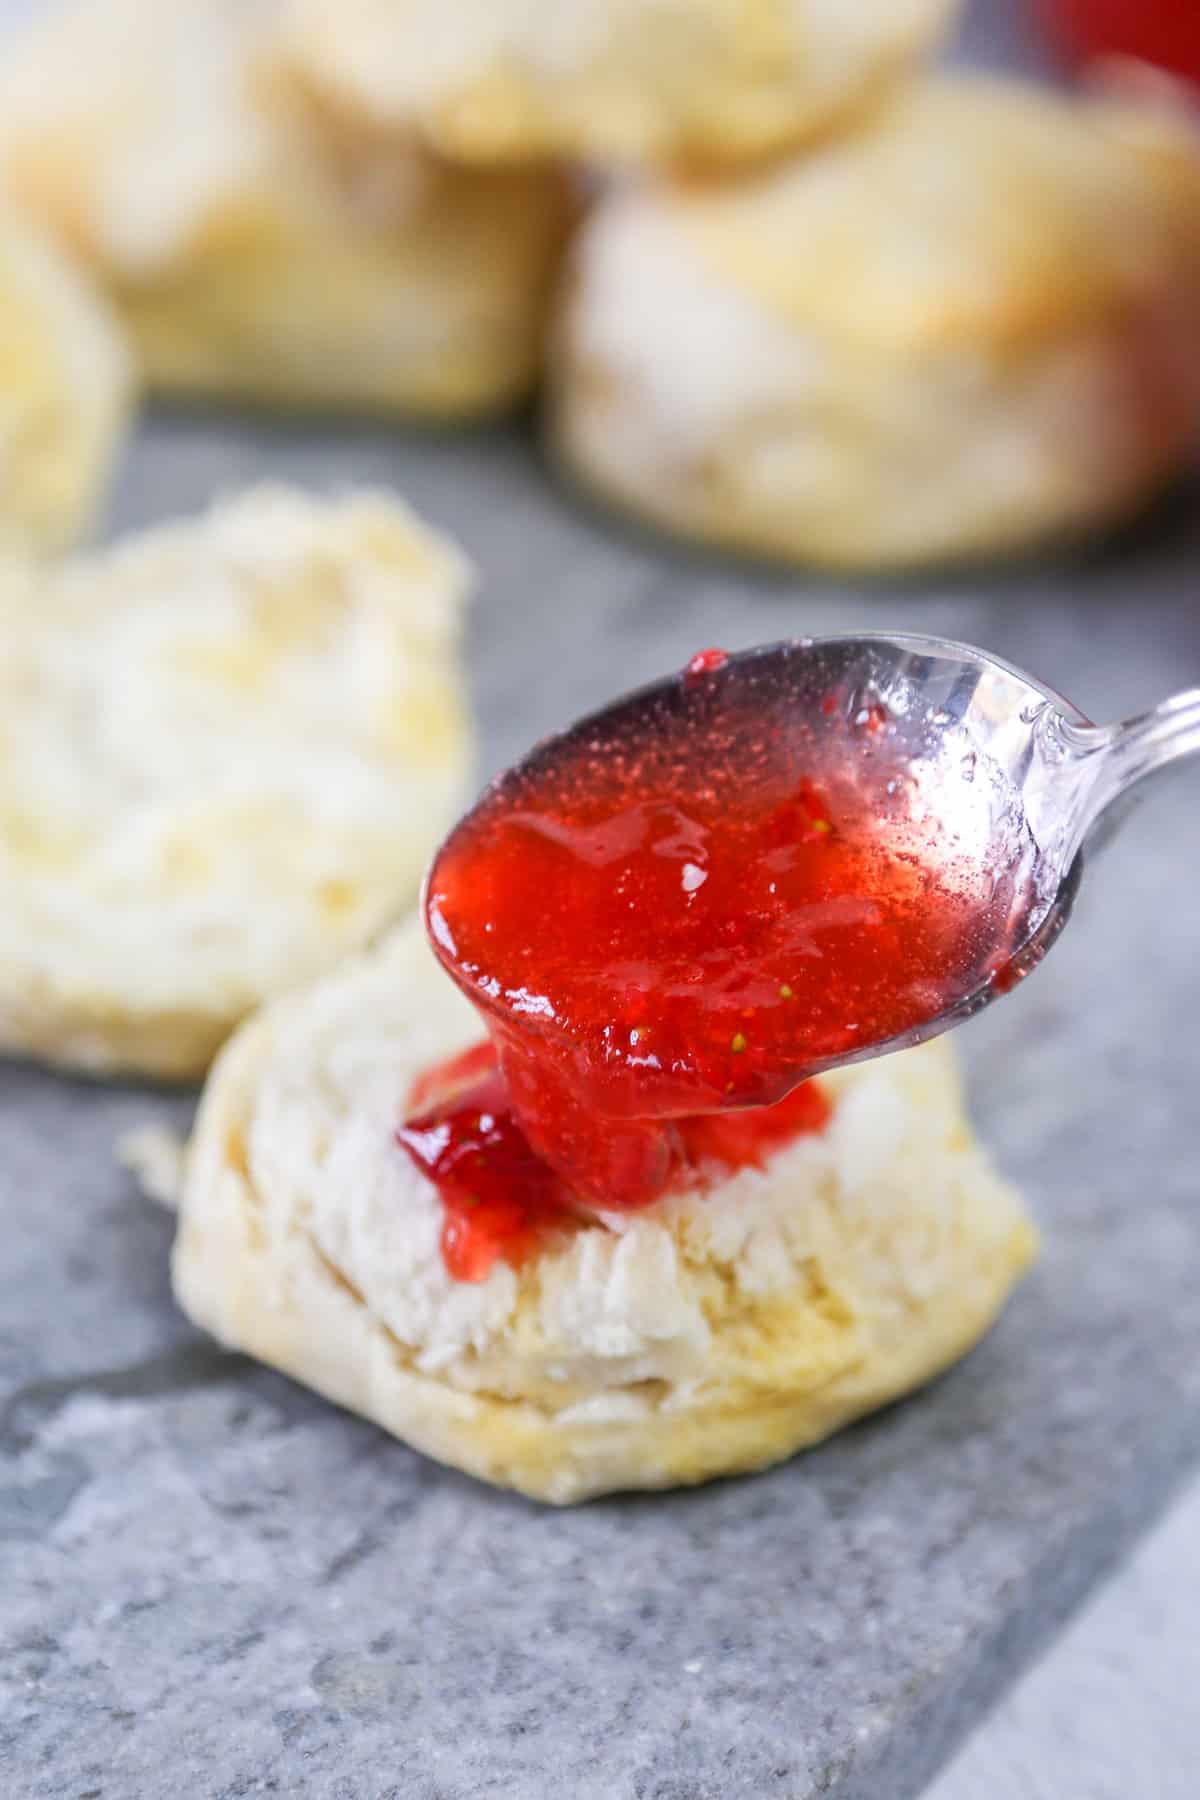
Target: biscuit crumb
point(157, 1159)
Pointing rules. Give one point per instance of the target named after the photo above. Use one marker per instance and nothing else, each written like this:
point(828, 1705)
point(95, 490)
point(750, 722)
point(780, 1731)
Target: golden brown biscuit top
point(715, 81)
point(975, 211)
point(146, 135)
point(124, 124)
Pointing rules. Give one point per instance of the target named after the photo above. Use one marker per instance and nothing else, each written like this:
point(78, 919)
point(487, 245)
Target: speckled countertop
point(211, 1584)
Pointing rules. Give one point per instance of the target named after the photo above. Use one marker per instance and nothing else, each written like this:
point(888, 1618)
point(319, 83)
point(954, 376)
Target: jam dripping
point(705, 662)
point(500, 1199)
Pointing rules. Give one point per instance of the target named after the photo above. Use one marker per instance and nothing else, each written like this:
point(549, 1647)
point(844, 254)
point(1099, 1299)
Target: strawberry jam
point(705, 662)
point(500, 1198)
point(497, 1194)
point(676, 913)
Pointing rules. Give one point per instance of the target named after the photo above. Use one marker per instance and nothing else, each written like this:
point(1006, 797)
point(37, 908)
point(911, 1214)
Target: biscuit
point(709, 1333)
point(66, 389)
point(968, 330)
point(702, 81)
point(253, 256)
point(227, 748)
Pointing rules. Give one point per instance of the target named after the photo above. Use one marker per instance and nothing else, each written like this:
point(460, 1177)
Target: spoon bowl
point(776, 862)
point(940, 739)
point(982, 754)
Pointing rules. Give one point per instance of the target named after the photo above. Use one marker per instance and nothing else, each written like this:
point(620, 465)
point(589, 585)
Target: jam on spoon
point(674, 914)
point(670, 918)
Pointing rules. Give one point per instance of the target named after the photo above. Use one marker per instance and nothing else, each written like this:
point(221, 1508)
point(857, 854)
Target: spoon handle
point(1112, 759)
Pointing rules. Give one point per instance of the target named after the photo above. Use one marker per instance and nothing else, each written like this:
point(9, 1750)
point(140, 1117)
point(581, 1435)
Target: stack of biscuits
point(824, 305)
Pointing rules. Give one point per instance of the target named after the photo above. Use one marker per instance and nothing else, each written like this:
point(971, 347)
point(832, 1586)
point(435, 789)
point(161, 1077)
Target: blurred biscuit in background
point(970, 328)
point(227, 748)
point(254, 255)
point(709, 81)
point(66, 391)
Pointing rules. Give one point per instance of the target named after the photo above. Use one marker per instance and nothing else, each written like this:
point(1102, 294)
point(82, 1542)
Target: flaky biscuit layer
point(227, 747)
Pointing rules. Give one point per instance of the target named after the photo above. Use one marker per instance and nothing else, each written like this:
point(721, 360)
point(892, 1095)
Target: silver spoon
point(993, 759)
point(1006, 763)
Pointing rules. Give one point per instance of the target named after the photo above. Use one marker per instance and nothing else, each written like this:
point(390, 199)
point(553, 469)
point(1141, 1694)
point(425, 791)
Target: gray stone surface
point(213, 1585)
point(1110, 1712)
